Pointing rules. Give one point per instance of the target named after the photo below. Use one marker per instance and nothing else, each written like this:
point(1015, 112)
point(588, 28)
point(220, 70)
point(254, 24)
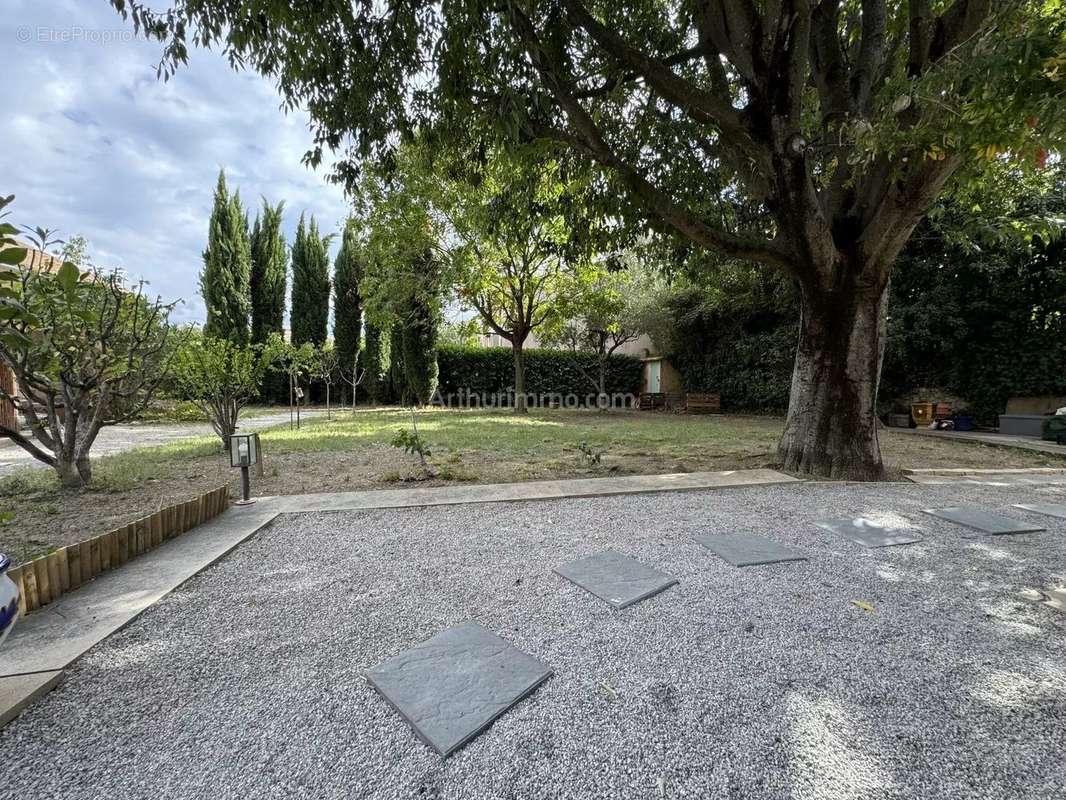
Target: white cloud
point(94, 144)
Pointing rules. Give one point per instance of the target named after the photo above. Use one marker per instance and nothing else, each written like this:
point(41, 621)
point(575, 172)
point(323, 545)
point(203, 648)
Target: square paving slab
point(1048, 509)
point(618, 579)
point(982, 520)
point(747, 549)
point(453, 686)
point(867, 532)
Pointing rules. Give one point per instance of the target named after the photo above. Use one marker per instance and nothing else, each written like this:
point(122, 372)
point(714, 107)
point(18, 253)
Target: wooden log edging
point(46, 578)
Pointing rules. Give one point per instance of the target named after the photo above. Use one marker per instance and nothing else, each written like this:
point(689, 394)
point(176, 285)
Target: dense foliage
point(982, 326)
point(489, 371)
point(309, 315)
point(221, 378)
point(347, 302)
point(224, 281)
point(398, 390)
point(268, 276)
point(376, 362)
point(977, 314)
point(419, 342)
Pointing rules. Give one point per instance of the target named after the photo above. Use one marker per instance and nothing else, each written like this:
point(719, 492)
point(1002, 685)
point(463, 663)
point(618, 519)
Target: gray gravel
point(758, 682)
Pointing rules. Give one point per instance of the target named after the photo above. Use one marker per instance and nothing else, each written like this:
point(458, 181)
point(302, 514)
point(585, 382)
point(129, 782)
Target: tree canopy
point(810, 137)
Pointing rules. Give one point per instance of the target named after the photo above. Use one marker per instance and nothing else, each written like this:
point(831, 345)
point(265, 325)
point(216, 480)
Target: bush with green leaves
point(412, 444)
point(86, 351)
point(221, 377)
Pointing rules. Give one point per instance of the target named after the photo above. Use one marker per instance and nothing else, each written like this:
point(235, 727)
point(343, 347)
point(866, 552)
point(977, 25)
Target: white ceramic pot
point(9, 599)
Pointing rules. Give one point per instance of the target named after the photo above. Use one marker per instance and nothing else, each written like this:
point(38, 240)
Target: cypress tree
point(310, 285)
point(347, 304)
point(224, 279)
point(419, 338)
point(377, 364)
point(269, 263)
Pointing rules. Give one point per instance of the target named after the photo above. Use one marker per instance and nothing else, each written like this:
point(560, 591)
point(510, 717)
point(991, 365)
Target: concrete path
point(46, 642)
point(1031, 443)
point(1035, 476)
point(120, 438)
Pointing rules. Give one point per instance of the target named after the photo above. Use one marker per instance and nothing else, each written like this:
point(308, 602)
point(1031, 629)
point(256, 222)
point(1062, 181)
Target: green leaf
point(13, 255)
point(68, 276)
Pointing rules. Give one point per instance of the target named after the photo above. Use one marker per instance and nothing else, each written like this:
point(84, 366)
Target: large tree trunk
point(520, 406)
point(85, 470)
point(831, 430)
point(67, 472)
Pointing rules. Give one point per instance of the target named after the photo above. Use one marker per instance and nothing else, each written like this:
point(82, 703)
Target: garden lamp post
point(244, 453)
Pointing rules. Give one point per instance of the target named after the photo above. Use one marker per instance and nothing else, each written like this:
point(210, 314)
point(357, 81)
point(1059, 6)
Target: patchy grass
point(352, 451)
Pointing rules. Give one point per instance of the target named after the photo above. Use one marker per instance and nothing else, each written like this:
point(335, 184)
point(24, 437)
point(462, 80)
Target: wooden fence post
point(16, 575)
point(29, 583)
point(44, 584)
point(86, 550)
point(64, 569)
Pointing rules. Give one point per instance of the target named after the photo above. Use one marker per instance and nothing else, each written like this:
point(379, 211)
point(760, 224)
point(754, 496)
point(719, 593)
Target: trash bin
point(1054, 429)
point(963, 422)
point(922, 413)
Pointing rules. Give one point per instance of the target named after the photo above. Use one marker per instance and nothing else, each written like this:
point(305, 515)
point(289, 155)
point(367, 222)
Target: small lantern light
point(244, 453)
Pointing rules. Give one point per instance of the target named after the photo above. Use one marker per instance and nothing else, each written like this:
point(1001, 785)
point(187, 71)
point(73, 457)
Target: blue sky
point(93, 144)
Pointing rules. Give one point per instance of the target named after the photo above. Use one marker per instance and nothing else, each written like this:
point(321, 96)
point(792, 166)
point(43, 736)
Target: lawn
point(353, 451)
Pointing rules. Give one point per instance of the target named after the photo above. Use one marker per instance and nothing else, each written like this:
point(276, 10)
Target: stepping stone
point(453, 686)
point(982, 520)
point(747, 549)
point(1048, 509)
point(867, 532)
point(618, 579)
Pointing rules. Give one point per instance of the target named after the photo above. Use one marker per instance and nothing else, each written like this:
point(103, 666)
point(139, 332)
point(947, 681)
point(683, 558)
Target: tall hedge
point(982, 326)
point(490, 371)
point(739, 341)
point(376, 362)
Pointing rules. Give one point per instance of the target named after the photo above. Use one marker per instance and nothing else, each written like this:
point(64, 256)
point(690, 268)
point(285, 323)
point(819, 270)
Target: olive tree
point(839, 121)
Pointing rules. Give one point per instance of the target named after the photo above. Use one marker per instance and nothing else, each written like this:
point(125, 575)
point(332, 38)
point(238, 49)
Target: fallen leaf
point(863, 605)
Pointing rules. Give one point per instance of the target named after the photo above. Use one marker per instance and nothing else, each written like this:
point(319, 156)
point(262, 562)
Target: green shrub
point(490, 371)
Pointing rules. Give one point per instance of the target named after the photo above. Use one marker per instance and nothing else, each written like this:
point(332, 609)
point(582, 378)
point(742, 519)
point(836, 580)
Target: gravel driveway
point(762, 682)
